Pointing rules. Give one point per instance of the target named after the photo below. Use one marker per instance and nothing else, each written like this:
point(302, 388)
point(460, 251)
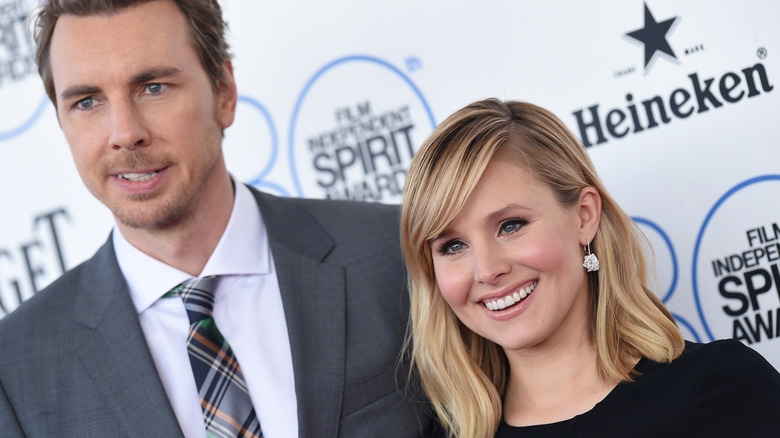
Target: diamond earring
point(591, 261)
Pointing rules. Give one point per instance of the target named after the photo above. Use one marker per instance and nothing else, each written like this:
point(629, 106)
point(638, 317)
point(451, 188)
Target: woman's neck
point(553, 382)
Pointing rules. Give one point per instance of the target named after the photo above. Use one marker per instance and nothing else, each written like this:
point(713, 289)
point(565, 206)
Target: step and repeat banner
point(677, 103)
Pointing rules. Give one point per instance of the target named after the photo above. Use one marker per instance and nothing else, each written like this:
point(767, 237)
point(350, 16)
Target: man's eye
point(154, 88)
point(86, 103)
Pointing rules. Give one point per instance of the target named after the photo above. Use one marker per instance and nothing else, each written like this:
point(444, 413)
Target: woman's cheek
point(453, 284)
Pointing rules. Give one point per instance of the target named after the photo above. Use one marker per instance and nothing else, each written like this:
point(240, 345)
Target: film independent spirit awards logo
point(695, 95)
point(356, 126)
point(737, 266)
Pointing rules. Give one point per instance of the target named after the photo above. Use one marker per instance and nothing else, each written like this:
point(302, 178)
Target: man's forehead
point(125, 42)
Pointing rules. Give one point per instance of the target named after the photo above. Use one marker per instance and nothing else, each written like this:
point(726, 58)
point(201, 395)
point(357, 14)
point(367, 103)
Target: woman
point(519, 330)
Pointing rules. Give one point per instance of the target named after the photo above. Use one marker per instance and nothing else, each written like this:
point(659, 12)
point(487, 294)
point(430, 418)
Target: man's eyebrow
point(154, 73)
point(140, 78)
point(78, 90)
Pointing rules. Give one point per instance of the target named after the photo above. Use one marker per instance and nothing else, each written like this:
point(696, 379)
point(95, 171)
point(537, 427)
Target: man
point(310, 294)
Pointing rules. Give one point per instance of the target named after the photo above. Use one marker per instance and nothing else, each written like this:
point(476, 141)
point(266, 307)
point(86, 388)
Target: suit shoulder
point(325, 211)
point(352, 218)
point(337, 231)
point(345, 209)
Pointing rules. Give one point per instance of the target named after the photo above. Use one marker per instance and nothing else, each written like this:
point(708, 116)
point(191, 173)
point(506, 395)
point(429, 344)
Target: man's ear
point(589, 212)
point(226, 96)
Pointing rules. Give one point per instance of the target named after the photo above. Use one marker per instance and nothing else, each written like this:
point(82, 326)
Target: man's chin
point(150, 219)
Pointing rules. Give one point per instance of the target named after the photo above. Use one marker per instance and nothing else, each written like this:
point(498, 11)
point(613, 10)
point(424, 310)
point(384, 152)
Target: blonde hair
point(464, 374)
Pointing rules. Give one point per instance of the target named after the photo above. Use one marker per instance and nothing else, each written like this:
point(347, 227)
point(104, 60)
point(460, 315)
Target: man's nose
point(128, 127)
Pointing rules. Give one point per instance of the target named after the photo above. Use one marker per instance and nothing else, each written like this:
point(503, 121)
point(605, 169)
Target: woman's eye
point(451, 247)
point(511, 226)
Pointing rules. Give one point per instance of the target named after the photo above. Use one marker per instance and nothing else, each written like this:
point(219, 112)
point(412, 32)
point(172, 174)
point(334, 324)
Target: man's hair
point(204, 19)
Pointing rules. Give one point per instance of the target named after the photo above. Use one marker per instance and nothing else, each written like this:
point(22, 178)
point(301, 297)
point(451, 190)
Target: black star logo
point(653, 36)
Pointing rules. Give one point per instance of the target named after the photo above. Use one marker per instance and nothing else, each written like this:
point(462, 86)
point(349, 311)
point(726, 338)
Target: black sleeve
point(737, 394)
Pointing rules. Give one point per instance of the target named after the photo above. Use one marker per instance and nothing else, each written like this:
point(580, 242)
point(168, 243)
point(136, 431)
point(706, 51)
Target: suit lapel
point(313, 295)
point(113, 350)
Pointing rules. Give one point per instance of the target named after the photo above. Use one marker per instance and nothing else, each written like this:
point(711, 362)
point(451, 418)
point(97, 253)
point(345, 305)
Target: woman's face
point(510, 264)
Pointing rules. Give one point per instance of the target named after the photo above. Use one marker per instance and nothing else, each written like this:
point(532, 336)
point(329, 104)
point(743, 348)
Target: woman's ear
point(589, 212)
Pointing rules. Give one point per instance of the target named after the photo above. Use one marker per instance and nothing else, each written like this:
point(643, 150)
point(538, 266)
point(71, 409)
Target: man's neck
point(188, 243)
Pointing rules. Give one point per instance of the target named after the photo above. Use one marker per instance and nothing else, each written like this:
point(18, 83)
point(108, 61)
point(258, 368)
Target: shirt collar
point(242, 250)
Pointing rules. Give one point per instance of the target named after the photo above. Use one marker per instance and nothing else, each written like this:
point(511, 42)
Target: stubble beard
point(145, 214)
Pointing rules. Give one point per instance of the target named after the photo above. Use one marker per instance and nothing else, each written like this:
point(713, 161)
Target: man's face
point(140, 113)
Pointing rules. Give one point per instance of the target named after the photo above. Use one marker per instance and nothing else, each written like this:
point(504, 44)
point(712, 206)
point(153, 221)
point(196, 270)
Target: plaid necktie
point(227, 408)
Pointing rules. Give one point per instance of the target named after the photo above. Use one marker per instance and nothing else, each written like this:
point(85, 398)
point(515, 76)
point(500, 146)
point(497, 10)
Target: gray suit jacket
point(74, 361)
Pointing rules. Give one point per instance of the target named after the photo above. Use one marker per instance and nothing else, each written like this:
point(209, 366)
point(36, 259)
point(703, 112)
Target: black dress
point(720, 389)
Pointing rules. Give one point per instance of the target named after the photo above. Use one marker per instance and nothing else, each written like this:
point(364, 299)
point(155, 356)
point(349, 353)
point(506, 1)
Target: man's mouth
point(511, 299)
point(138, 177)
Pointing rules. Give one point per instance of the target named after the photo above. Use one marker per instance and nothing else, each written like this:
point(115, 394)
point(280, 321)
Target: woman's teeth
point(513, 298)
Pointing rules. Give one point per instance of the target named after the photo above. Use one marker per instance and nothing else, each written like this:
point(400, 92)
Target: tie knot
point(198, 297)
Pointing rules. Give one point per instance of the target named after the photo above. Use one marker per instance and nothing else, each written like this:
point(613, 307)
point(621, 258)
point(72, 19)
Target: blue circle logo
point(251, 146)
point(354, 129)
point(673, 271)
point(18, 72)
point(736, 265)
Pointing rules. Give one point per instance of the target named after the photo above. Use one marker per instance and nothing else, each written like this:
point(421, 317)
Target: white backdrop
point(336, 96)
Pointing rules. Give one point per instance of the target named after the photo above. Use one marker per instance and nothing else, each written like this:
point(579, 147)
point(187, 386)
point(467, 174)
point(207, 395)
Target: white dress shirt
point(247, 310)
